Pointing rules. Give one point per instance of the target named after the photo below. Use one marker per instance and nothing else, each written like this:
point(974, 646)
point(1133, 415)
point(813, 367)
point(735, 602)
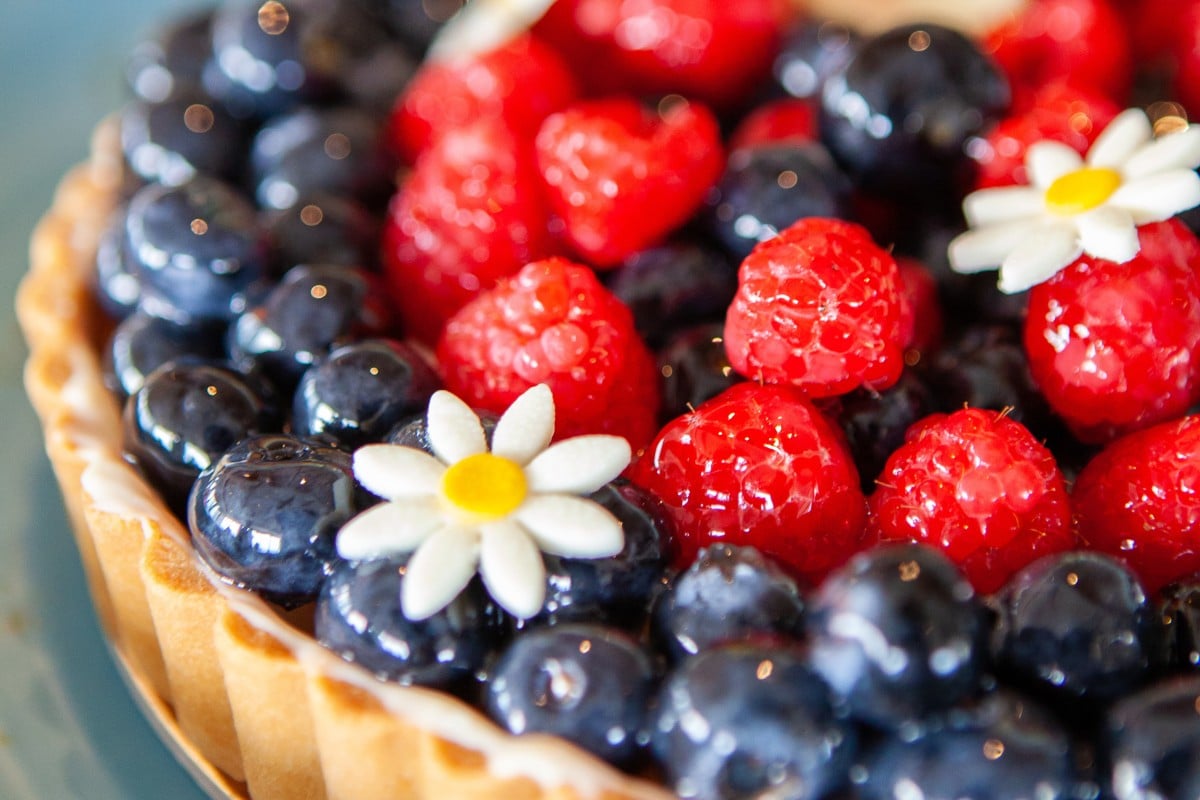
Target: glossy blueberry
point(811, 53)
point(415, 432)
point(1179, 609)
point(766, 188)
point(742, 721)
point(415, 22)
point(898, 633)
point(1076, 628)
point(334, 150)
point(197, 250)
point(173, 60)
point(172, 141)
point(875, 422)
point(142, 343)
point(315, 308)
point(694, 368)
point(1004, 748)
point(588, 684)
point(899, 113)
point(1154, 742)
point(728, 594)
point(358, 617)
point(324, 229)
point(117, 288)
point(359, 392)
point(674, 286)
point(184, 417)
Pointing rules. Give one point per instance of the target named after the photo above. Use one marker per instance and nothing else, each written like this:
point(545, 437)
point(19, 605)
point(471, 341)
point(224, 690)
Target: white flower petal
point(564, 525)
point(1002, 204)
point(454, 429)
point(1047, 161)
point(1047, 250)
point(512, 568)
point(527, 427)
point(1169, 152)
point(394, 472)
point(579, 465)
point(1109, 233)
point(389, 529)
point(987, 247)
point(1158, 197)
point(439, 570)
point(1128, 131)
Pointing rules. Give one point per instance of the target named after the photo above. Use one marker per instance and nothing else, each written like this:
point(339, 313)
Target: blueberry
point(324, 229)
point(1154, 742)
point(694, 368)
point(1005, 748)
point(728, 594)
point(588, 684)
point(415, 432)
point(743, 721)
point(361, 391)
point(197, 250)
point(899, 113)
point(172, 141)
point(315, 308)
point(898, 633)
point(117, 288)
point(142, 343)
point(768, 187)
point(875, 422)
point(358, 617)
point(1179, 609)
point(184, 417)
point(173, 60)
point(811, 53)
point(416, 22)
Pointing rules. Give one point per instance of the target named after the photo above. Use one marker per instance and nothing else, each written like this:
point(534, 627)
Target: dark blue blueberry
point(1005, 748)
point(588, 684)
point(1154, 742)
point(811, 53)
point(898, 633)
point(728, 594)
point(673, 286)
point(743, 721)
point(694, 368)
point(1076, 628)
point(315, 308)
point(415, 22)
point(337, 151)
point(374, 81)
point(359, 618)
point(266, 514)
point(324, 229)
point(117, 288)
point(184, 417)
point(142, 343)
point(172, 141)
point(1179, 609)
point(197, 250)
point(361, 391)
point(875, 422)
point(899, 113)
point(173, 60)
point(766, 188)
point(415, 433)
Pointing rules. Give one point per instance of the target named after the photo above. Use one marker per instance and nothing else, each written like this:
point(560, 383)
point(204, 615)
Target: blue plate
point(68, 727)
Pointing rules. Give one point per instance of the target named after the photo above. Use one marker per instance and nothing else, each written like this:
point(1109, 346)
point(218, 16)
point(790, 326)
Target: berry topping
point(170, 142)
point(1179, 609)
point(758, 465)
point(1154, 742)
point(694, 369)
point(817, 307)
point(173, 60)
point(142, 343)
point(784, 121)
point(875, 422)
point(320, 228)
point(812, 51)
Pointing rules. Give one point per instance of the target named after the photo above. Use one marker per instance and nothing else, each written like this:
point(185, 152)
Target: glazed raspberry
point(758, 465)
point(1185, 84)
point(519, 84)
point(1116, 347)
point(622, 177)
point(467, 215)
point(787, 120)
point(554, 323)
point(920, 309)
point(978, 485)
point(1139, 500)
point(818, 306)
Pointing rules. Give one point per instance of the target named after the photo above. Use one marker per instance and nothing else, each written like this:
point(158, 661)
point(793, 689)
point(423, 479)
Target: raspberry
point(553, 323)
point(466, 216)
point(920, 310)
point(758, 465)
point(786, 120)
point(1139, 499)
point(622, 177)
point(978, 485)
point(818, 306)
point(1185, 47)
point(1116, 347)
point(518, 84)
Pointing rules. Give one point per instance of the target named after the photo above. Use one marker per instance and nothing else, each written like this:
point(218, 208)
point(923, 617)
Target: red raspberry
point(1058, 112)
point(758, 465)
point(1116, 347)
point(467, 215)
point(1139, 499)
point(1185, 47)
point(817, 306)
point(979, 486)
point(920, 308)
point(520, 84)
point(554, 323)
point(622, 177)
point(787, 120)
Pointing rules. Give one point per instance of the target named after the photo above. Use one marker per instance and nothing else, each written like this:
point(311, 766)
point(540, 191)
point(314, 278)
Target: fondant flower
point(1076, 205)
point(466, 509)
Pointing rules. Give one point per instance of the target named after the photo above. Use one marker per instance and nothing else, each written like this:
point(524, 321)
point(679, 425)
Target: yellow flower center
point(1082, 190)
point(484, 486)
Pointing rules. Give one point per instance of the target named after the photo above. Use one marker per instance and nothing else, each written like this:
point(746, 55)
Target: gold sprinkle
point(198, 118)
point(993, 749)
point(211, 391)
point(765, 668)
point(337, 146)
point(919, 41)
point(909, 570)
point(1072, 578)
point(318, 292)
point(585, 646)
point(787, 179)
point(199, 226)
point(273, 18)
point(312, 216)
point(374, 370)
point(667, 370)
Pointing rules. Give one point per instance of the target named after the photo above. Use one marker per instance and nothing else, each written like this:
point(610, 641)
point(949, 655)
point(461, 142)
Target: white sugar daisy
point(1079, 205)
point(466, 509)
